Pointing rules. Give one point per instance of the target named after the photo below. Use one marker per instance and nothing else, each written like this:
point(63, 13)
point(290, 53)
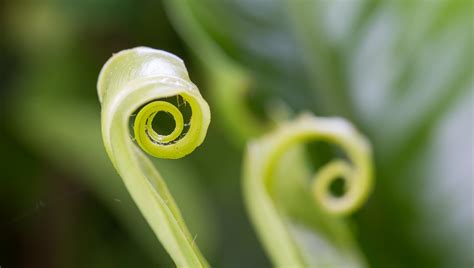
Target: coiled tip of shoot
point(146, 136)
point(145, 82)
point(328, 174)
point(184, 137)
point(355, 172)
point(276, 174)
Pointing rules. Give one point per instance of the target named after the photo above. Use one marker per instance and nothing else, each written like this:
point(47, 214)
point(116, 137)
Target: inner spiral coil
point(146, 126)
point(144, 119)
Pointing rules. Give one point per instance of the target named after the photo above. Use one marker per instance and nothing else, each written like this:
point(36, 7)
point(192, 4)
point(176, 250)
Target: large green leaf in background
point(398, 69)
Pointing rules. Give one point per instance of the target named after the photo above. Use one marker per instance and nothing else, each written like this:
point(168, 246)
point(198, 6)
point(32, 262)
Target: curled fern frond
point(141, 82)
point(262, 165)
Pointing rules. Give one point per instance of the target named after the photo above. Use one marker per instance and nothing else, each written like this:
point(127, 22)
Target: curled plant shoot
point(134, 86)
point(260, 172)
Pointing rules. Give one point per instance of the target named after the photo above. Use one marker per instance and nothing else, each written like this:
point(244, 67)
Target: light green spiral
point(262, 164)
point(141, 81)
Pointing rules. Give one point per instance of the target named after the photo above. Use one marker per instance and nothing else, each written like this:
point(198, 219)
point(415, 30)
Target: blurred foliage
point(401, 71)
